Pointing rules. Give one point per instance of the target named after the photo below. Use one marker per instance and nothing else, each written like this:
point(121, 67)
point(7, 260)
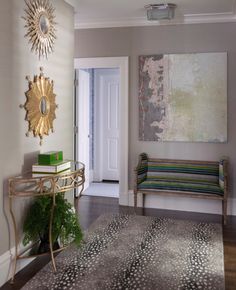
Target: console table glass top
point(34, 184)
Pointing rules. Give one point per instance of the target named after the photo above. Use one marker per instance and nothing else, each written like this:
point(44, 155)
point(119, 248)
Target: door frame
point(83, 93)
point(123, 64)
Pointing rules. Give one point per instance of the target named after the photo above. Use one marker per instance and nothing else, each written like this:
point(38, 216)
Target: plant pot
point(44, 245)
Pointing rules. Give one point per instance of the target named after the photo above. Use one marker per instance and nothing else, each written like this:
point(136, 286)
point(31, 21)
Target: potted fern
point(65, 225)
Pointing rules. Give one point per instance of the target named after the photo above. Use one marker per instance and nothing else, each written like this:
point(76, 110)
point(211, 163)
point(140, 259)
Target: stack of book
point(50, 163)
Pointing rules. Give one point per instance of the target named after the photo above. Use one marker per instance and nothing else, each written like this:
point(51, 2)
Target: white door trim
point(123, 64)
point(83, 93)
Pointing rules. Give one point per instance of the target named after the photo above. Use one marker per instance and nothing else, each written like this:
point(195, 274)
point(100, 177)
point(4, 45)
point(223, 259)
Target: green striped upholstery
point(196, 177)
point(142, 168)
point(184, 168)
point(221, 173)
point(195, 187)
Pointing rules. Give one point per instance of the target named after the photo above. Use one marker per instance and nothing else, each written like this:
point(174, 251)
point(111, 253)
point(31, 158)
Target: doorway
point(98, 129)
point(101, 111)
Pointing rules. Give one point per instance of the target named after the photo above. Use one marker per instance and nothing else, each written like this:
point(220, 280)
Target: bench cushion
point(186, 186)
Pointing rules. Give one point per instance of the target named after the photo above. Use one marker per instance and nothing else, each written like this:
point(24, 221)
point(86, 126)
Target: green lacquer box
point(48, 158)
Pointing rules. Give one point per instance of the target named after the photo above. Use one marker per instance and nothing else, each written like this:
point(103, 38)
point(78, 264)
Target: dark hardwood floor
point(89, 209)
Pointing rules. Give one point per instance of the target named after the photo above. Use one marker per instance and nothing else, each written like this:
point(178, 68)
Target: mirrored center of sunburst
point(44, 106)
point(44, 24)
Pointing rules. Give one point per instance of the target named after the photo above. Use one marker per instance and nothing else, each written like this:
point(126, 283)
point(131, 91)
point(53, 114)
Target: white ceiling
point(118, 13)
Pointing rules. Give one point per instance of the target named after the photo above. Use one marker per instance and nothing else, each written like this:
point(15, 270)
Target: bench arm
point(141, 169)
point(223, 175)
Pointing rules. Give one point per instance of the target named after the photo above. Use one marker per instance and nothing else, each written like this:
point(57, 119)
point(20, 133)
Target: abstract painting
point(183, 97)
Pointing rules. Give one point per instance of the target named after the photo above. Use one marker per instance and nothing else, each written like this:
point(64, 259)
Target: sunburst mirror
point(40, 25)
point(40, 105)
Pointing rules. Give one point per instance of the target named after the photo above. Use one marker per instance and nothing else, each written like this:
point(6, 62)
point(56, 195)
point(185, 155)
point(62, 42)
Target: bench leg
point(135, 198)
point(224, 210)
point(144, 195)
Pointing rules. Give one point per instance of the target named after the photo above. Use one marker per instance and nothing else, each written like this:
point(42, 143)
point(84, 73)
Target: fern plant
point(65, 225)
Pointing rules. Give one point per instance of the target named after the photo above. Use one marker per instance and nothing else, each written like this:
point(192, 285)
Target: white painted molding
point(6, 264)
point(183, 203)
point(123, 64)
point(142, 21)
point(73, 3)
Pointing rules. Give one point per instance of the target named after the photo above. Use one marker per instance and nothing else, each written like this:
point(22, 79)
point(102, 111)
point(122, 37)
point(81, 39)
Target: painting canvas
point(183, 97)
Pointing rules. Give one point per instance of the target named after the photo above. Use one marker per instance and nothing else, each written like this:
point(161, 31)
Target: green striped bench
point(201, 179)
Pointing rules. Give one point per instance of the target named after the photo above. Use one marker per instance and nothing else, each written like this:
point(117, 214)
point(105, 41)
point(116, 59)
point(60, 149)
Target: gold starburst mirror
point(40, 25)
point(40, 106)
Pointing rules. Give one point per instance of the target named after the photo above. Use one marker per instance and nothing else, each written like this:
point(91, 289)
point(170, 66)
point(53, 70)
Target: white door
point(108, 87)
point(83, 122)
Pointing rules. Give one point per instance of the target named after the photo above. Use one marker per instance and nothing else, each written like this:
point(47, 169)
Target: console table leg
point(16, 241)
point(50, 235)
point(82, 188)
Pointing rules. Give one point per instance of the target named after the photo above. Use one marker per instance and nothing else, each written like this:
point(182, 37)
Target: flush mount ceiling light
point(160, 11)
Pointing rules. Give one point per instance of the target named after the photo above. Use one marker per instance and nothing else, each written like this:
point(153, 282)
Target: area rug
point(136, 252)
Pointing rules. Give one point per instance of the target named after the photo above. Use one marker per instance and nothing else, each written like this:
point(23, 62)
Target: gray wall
point(17, 152)
point(136, 41)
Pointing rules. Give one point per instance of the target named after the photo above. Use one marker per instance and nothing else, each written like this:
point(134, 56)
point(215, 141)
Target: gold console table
point(32, 185)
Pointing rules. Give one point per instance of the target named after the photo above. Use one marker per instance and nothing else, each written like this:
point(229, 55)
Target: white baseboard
point(6, 265)
point(183, 203)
